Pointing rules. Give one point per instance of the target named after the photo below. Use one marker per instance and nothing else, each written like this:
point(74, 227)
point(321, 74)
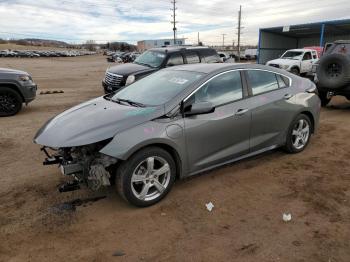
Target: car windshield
point(295, 55)
point(157, 88)
point(151, 58)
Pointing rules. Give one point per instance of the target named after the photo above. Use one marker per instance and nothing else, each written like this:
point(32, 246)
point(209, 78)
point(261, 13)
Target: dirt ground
point(249, 197)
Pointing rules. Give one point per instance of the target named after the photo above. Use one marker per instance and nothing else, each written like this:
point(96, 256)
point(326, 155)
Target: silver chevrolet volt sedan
point(179, 122)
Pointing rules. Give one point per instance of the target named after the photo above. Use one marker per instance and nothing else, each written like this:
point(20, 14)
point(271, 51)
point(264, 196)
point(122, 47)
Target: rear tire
point(299, 134)
point(146, 177)
point(10, 101)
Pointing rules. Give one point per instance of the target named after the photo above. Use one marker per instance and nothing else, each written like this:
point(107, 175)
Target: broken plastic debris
point(209, 206)
point(287, 217)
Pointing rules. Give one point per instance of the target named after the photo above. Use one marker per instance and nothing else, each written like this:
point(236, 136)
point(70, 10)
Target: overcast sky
point(132, 20)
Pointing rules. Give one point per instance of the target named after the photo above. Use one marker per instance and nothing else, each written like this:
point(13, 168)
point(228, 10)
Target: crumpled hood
point(93, 121)
point(129, 68)
point(12, 71)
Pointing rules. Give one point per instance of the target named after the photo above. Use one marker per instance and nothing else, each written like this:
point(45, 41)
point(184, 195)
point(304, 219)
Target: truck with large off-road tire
point(333, 71)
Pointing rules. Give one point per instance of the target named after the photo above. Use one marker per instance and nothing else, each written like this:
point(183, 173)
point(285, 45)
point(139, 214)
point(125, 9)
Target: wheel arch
point(161, 144)
point(13, 86)
point(311, 117)
point(295, 67)
point(172, 151)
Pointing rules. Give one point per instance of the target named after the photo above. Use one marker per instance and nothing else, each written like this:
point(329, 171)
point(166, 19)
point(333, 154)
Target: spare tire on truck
point(333, 71)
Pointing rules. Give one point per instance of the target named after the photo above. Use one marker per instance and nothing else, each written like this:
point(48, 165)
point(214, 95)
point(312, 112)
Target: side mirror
point(199, 109)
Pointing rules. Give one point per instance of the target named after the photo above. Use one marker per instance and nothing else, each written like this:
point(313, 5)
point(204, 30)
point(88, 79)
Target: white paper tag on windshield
point(178, 80)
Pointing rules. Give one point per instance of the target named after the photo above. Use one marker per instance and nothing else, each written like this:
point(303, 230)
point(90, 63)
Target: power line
point(239, 32)
point(223, 40)
point(174, 22)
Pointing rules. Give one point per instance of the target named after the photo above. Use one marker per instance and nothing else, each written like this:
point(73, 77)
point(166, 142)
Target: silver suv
point(16, 87)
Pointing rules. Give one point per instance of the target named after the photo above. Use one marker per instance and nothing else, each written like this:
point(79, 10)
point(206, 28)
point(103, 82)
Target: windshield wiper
point(133, 103)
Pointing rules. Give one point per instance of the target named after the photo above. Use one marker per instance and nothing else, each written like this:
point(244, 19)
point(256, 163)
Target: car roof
point(299, 50)
point(211, 68)
point(172, 49)
point(342, 42)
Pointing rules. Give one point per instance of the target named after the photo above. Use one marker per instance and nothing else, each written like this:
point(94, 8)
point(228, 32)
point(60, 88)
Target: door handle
point(287, 96)
point(242, 111)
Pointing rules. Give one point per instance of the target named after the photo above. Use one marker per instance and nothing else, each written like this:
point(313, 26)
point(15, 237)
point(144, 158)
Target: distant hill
point(44, 42)
point(36, 42)
point(90, 44)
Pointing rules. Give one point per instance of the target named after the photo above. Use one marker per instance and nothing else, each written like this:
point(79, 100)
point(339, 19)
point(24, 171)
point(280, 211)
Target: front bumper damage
point(84, 163)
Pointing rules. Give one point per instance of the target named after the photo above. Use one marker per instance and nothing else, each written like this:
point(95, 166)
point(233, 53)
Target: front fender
point(126, 143)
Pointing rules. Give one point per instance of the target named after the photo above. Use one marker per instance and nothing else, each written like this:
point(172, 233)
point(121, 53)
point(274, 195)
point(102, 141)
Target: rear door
point(209, 56)
point(224, 134)
point(175, 59)
point(272, 106)
point(192, 57)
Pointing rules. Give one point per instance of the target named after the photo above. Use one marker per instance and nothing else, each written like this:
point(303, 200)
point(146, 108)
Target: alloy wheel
point(7, 103)
point(300, 134)
point(150, 178)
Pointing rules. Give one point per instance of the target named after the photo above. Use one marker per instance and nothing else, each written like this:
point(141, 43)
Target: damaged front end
point(84, 163)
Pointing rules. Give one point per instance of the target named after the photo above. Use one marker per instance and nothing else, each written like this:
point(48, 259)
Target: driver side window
point(307, 56)
point(222, 89)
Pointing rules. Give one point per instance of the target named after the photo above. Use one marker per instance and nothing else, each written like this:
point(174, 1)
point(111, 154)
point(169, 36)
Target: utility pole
point(174, 19)
point(198, 38)
point(239, 32)
point(223, 41)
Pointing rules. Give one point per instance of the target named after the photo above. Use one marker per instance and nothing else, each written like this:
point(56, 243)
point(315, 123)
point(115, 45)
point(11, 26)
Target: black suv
point(16, 87)
point(154, 60)
point(333, 71)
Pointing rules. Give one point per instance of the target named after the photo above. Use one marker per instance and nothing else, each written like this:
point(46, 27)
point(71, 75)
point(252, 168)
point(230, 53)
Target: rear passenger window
point(192, 58)
point(282, 81)
point(175, 59)
point(210, 56)
point(262, 81)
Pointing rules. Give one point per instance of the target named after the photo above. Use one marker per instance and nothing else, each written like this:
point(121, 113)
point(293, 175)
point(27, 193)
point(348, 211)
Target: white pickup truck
point(296, 61)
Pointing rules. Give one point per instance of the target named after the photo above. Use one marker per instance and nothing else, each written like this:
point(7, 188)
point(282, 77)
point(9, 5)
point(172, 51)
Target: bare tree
point(90, 45)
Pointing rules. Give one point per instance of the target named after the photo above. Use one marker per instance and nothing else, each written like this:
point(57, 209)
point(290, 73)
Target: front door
point(306, 63)
point(224, 134)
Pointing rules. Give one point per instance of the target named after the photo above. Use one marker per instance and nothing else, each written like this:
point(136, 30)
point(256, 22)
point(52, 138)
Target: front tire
point(325, 98)
point(299, 134)
point(295, 71)
point(146, 177)
point(10, 101)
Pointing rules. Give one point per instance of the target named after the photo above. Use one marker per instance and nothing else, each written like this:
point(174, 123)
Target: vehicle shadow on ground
point(247, 163)
point(337, 105)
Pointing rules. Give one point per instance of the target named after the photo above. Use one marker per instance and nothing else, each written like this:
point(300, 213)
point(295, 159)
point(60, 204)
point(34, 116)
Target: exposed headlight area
point(84, 163)
point(25, 78)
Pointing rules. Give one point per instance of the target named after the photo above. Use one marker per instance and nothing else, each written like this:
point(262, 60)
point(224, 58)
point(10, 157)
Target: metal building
point(147, 44)
point(274, 41)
